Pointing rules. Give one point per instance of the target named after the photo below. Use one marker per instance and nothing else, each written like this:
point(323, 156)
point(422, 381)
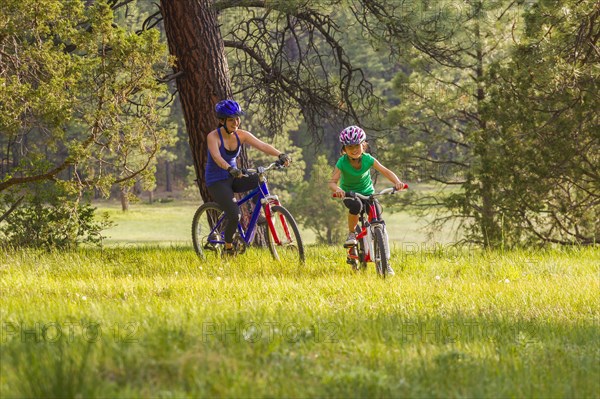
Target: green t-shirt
point(356, 180)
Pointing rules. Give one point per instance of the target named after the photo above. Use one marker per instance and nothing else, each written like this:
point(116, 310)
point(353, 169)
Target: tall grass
point(158, 322)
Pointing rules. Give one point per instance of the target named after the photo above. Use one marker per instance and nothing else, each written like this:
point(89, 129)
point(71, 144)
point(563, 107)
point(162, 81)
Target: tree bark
point(490, 230)
point(168, 182)
point(123, 193)
point(195, 40)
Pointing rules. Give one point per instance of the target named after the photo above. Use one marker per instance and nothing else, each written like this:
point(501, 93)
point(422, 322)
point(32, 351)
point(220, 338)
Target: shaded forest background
point(490, 108)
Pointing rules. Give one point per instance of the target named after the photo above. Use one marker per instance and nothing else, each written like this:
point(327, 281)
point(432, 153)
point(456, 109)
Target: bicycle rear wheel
point(205, 238)
point(380, 258)
point(284, 238)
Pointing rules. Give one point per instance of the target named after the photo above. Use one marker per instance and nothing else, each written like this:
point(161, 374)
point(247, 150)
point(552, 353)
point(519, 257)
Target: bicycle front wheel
point(285, 242)
point(207, 229)
point(381, 260)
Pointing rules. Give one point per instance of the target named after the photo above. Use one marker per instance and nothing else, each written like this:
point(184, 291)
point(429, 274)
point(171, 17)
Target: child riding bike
point(353, 168)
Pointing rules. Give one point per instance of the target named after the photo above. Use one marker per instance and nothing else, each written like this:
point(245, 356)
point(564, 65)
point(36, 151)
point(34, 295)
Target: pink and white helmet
point(352, 135)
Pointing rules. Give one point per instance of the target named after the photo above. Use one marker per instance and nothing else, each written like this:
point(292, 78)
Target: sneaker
point(390, 271)
point(351, 240)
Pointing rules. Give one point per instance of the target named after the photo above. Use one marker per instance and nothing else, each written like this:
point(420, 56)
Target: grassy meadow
point(155, 321)
point(169, 223)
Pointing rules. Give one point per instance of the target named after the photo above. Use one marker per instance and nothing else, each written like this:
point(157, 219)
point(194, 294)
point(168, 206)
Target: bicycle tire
point(380, 258)
point(290, 248)
point(362, 264)
point(204, 218)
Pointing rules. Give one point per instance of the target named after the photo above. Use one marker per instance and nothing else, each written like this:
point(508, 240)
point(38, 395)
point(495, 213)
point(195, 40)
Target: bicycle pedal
point(351, 262)
point(209, 246)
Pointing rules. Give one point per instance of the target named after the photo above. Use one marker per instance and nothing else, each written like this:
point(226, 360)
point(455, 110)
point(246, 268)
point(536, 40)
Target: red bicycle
point(371, 236)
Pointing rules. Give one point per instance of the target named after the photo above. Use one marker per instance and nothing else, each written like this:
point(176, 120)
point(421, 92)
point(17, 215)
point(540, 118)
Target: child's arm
point(333, 183)
point(391, 176)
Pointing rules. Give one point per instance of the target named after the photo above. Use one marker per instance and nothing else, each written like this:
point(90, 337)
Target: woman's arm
point(391, 176)
point(213, 147)
point(247, 137)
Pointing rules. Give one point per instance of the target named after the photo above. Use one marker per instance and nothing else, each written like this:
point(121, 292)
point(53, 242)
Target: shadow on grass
point(387, 356)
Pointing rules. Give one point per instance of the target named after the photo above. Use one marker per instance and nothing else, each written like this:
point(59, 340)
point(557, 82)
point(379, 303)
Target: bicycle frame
point(264, 198)
point(366, 231)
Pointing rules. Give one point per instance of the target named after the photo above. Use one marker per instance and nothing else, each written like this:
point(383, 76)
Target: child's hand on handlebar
point(400, 186)
point(339, 193)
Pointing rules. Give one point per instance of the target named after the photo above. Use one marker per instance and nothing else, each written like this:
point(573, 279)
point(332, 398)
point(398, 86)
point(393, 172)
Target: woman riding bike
point(222, 176)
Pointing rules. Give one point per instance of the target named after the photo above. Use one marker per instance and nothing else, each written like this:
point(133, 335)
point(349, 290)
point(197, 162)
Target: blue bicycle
point(284, 239)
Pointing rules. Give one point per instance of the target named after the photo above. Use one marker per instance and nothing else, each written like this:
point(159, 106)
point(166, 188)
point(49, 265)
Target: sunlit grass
point(170, 223)
point(158, 322)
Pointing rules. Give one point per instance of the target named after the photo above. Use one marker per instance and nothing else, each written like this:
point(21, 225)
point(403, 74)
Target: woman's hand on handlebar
point(284, 159)
point(235, 172)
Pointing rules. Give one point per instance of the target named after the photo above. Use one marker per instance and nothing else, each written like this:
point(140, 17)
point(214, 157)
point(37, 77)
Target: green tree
point(52, 220)
point(283, 181)
point(504, 115)
point(545, 103)
point(279, 55)
point(314, 207)
point(447, 134)
point(79, 99)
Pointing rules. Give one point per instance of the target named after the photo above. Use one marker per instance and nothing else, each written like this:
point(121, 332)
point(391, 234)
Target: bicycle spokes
point(212, 241)
point(279, 229)
point(285, 243)
point(207, 229)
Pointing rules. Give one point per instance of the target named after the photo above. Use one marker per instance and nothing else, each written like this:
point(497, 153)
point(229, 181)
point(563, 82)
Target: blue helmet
point(228, 109)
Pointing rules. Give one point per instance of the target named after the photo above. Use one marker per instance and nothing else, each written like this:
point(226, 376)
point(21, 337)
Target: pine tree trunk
point(195, 40)
point(124, 191)
point(490, 229)
point(168, 182)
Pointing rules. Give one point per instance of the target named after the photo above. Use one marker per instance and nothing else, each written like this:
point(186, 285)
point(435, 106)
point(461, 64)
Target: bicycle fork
point(269, 201)
point(367, 234)
point(366, 237)
point(385, 239)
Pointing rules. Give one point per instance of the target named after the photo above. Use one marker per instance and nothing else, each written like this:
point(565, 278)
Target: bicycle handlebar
point(390, 190)
point(262, 169)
